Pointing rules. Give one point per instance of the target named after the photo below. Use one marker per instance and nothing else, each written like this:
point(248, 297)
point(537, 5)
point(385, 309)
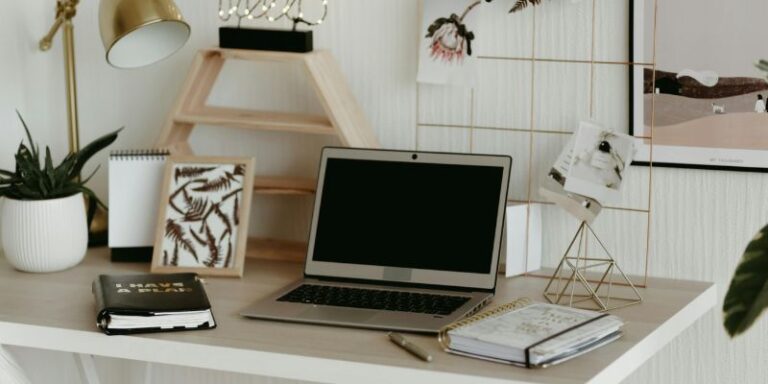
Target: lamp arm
point(65, 10)
point(46, 41)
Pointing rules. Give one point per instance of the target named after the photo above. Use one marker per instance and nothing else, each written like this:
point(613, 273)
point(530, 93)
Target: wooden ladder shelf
point(343, 118)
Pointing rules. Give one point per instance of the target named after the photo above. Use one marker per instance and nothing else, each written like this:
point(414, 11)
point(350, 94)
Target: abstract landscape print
point(704, 100)
point(204, 216)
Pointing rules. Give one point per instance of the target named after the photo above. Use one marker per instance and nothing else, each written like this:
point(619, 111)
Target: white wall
point(700, 220)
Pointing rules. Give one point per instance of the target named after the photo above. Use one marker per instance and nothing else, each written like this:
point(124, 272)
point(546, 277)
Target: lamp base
point(265, 39)
point(98, 232)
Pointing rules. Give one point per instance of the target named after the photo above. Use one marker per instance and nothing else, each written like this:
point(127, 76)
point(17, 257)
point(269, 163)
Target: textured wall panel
point(503, 94)
point(701, 220)
point(564, 32)
point(561, 95)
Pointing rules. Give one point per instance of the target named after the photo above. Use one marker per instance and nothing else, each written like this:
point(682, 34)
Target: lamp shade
point(136, 33)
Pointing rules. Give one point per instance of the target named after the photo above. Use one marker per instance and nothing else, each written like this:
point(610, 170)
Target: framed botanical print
point(203, 216)
point(695, 88)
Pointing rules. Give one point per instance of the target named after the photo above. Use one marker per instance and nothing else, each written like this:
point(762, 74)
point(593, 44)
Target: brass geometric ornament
point(609, 288)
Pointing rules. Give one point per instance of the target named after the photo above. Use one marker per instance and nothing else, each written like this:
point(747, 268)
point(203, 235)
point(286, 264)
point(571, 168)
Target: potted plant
point(43, 222)
point(747, 296)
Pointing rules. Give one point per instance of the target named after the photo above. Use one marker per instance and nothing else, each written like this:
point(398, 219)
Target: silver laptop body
point(408, 223)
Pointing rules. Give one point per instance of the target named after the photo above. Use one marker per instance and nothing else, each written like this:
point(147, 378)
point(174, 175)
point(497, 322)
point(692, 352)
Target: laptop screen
point(414, 215)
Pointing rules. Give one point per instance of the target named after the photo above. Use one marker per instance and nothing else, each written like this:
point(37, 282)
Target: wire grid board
point(541, 71)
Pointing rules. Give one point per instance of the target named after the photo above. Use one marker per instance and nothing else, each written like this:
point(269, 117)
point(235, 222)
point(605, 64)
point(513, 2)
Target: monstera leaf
point(747, 296)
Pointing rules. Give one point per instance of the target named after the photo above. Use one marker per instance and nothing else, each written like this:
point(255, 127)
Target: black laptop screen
point(408, 215)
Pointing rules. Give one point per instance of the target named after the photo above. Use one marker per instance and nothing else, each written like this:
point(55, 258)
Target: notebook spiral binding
point(445, 340)
point(139, 154)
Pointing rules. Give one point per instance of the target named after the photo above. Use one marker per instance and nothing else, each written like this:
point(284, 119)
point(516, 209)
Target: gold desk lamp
point(135, 33)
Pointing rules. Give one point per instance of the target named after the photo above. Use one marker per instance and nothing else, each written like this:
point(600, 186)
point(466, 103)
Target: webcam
point(414, 156)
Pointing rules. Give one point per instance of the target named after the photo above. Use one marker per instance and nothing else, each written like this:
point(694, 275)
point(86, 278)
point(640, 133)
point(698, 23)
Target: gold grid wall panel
point(552, 66)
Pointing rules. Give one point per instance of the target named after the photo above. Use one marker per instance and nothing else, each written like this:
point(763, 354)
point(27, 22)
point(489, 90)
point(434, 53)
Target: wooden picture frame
point(203, 215)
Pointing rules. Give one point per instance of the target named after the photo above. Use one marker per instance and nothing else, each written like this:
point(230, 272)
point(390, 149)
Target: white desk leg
point(147, 373)
point(87, 368)
point(10, 371)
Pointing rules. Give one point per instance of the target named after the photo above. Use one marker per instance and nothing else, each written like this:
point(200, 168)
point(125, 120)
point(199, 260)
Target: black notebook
point(151, 303)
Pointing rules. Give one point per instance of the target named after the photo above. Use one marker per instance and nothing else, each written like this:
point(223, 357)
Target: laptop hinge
point(399, 284)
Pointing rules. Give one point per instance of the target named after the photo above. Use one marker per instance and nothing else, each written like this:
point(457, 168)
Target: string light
point(256, 9)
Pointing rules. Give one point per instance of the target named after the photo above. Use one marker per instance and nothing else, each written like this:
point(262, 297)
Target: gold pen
point(412, 348)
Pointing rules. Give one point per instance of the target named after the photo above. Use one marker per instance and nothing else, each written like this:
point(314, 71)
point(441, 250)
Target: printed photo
point(552, 188)
point(600, 160)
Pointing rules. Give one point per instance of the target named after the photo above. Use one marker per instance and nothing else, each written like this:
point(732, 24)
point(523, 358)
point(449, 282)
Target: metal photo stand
point(570, 284)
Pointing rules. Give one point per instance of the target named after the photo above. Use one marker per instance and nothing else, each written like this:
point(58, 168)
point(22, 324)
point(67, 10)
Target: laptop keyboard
point(375, 299)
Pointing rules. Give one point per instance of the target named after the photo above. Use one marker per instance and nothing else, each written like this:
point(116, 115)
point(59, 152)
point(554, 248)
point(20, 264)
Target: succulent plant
point(32, 180)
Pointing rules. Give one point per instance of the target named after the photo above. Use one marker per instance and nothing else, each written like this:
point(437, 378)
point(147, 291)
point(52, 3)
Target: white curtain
point(10, 371)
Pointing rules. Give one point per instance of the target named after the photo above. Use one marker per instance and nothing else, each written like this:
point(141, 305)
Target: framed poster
point(695, 84)
point(203, 216)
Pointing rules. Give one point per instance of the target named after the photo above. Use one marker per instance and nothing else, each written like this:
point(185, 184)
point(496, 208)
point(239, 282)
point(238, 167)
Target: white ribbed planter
point(44, 235)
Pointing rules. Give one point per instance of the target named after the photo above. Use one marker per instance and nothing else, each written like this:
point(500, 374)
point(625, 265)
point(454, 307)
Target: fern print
point(176, 233)
point(190, 172)
point(213, 248)
point(203, 215)
point(175, 260)
point(222, 183)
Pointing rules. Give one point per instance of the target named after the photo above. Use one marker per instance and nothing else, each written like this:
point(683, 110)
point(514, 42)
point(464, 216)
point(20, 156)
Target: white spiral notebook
point(533, 335)
point(135, 179)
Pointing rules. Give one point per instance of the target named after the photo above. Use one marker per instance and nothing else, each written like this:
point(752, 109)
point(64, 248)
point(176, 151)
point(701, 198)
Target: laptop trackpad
point(337, 314)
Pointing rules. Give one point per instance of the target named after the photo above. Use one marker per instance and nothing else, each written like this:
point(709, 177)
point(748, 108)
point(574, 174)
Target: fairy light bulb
point(258, 9)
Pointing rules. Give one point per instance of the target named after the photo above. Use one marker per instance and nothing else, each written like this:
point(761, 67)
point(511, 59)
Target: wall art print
point(447, 50)
point(204, 212)
point(705, 98)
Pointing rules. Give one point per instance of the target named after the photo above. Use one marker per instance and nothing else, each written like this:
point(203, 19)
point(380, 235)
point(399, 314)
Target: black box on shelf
point(265, 39)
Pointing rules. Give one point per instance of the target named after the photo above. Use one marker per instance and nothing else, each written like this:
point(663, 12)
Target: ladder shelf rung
point(279, 185)
point(257, 120)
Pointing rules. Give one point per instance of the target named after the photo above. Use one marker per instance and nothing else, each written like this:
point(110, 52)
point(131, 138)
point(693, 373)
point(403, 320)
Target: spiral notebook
point(135, 179)
point(533, 335)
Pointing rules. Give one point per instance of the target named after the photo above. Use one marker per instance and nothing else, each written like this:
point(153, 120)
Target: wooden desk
point(56, 312)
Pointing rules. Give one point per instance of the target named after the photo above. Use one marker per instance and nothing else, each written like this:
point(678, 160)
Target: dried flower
point(450, 39)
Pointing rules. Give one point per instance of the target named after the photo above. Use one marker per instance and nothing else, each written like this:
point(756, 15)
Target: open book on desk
point(530, 334)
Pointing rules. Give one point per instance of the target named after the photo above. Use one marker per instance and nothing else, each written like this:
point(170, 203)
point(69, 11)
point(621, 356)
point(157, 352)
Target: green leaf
point(64, 170)
point(87, 179)
point(91, 149)
point(32, 145)
point(33, 181)
point(49, 168)
point(747, 295)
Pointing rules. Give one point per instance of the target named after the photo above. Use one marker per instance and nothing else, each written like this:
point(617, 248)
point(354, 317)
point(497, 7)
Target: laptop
point(406, 241)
